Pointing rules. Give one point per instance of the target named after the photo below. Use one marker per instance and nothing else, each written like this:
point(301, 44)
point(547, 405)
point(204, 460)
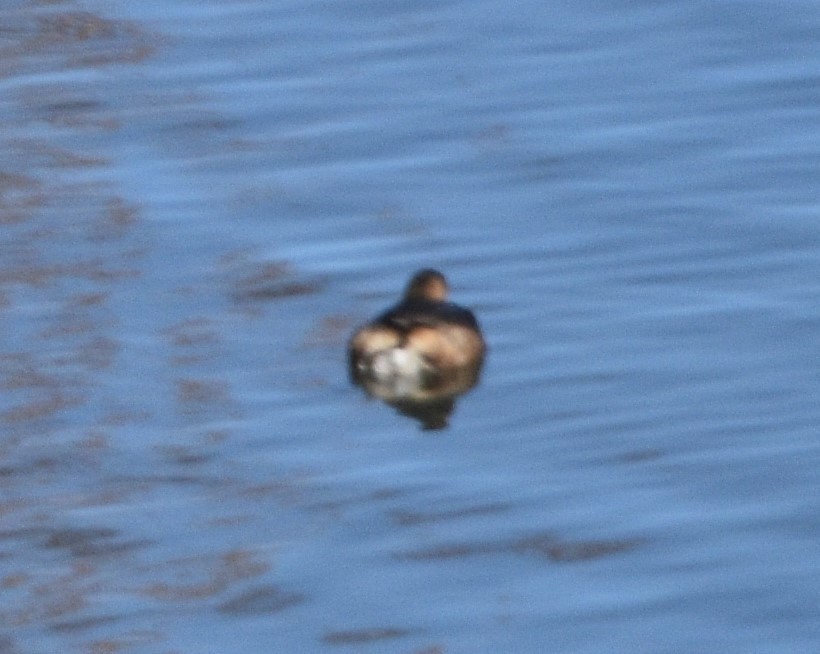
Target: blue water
point(200, 202)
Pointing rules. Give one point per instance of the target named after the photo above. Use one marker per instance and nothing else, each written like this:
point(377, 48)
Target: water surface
point(199, 202)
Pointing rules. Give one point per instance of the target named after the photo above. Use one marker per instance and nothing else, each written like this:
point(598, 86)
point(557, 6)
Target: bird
point(421, 349)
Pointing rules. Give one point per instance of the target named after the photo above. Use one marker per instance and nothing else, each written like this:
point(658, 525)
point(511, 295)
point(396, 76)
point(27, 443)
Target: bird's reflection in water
point(421, 354)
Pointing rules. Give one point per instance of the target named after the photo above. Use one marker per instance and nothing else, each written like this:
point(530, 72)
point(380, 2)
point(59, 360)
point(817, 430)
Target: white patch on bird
point(400, 368)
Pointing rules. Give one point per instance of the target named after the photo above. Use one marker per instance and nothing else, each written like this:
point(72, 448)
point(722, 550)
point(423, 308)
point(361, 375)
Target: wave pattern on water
point(199, 203)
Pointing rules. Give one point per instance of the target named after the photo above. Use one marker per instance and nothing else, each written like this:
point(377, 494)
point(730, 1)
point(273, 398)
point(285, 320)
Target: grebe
point(422, 349)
